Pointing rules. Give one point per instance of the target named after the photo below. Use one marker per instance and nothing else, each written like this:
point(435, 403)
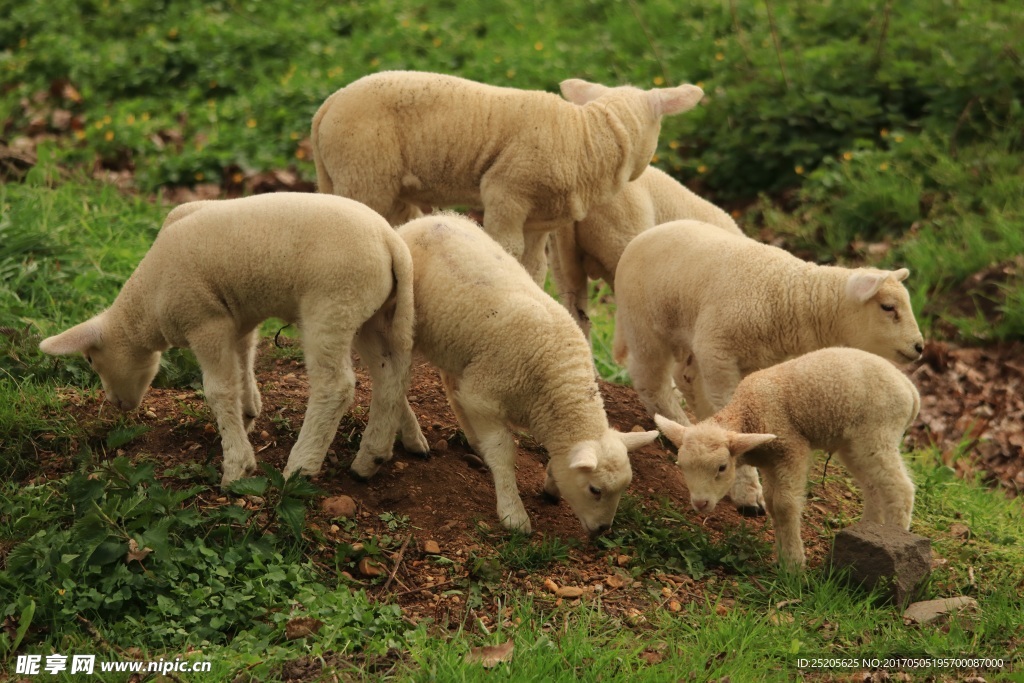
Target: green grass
point(890, 124)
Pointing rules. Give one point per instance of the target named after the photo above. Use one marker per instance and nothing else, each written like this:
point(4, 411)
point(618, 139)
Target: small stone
point(674, 606)
point(637, 428)
point(431, 547)
point(551, 586)
point(371, 568)
point(474, 461)
point(622, 560)
point(960, 530)
point(357, 547)
point(339, 506)
point(150, 414)
point(886, 555)
point(440, 446)
point(264, 435)
point(209, 428)
point(400, 466)
point(569, 592)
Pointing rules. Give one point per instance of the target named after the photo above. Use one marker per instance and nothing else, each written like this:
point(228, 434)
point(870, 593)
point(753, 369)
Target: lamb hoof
point(751, 510)
point(358, 477)
point(422, 455)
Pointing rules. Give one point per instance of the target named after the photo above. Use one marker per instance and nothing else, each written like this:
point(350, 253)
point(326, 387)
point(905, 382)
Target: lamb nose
point(919, 347)
point(700, 504)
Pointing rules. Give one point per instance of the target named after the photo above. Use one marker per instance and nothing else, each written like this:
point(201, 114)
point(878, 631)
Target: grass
point(888, 126)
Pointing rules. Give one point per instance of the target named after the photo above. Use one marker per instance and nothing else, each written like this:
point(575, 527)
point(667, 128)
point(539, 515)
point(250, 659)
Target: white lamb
point(219, 268)
point(839, 400)
point(401, 140)
point(511, 355)
point(592, 247)
point(707, 308)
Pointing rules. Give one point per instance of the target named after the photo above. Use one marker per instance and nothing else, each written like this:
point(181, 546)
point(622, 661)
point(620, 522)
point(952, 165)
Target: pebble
point(400, 466)
point(440, 446)
point(569, 592)
point(674, 606)
point(431, 547)
point(264, 435)
point(339, 506)
point(150, 414)
point(622, 560)
point(368, 567)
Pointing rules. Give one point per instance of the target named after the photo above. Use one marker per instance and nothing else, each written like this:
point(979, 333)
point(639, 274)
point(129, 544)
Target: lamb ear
point(667, 101)
point(78, 339)
point(578, 91)
point(864, 284)
point(901, 274)
point(741, 443)
point(635, 440)
point(583, 457)
point(673, 430)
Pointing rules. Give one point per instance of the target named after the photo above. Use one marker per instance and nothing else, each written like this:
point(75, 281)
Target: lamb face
point(594, 476)
point(707, 457)
point(884, 322)
point(125, 371)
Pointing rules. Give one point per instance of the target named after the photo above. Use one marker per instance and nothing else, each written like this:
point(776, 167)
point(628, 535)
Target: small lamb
point(400, 141)
point(838, 400)
point(510, 355)
point(217, 269)
point(707, 308)
point(592, 247)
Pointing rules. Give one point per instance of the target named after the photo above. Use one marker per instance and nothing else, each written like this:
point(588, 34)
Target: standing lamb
point(510, 355)
point(839, 400)
point(592, 247)
point(401, 140)
point(217, 269)
point(707, 308)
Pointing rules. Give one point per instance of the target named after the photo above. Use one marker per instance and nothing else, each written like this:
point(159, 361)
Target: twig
point(650, 41)
point(876, 61)
point(959, 124)
point(398, 562)
point(424, 588)
point(775, 39)
point(739, 33)
point(824, 469)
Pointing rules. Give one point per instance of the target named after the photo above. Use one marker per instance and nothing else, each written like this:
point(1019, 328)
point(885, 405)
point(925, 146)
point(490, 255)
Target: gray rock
point(883, 555)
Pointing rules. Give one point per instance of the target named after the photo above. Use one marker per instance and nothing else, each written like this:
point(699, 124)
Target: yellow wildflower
point(251, 123)
point(884, 166)
point(847, 156)
point(109, 135)
point(658, 80)
point(702, 169)
point(538, 46)
point(799, 170)
point(199, 175)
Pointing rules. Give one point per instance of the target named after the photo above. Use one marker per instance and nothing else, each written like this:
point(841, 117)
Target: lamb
point(708, 308)
point(592, 247)
point(400, 141)
point(840, 400)
point(219, 268)
point(510, 355)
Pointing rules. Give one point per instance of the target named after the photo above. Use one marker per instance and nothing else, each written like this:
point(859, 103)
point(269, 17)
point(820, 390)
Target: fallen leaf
point(339, 506)
point(551, 585)
point(368, 567)
point(928, 611)
point(136, 554)
point(489, 656)
point(569, 592)
point(300, 627)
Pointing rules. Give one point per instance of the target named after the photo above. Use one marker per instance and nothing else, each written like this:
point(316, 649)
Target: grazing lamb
point(219, 268)
point(402, 140)
point(592, 247)
point(838, 400)
point(510, 355)
point(708, 308)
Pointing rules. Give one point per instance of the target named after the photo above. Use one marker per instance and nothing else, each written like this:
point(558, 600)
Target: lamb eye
point(721, 468)
point(888, 308)
point(596, 491)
